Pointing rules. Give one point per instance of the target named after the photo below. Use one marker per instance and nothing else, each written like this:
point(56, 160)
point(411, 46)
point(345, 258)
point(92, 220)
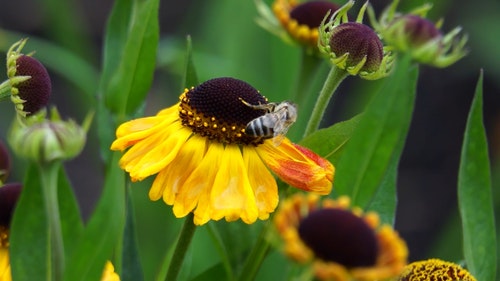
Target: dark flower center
point(9, 193)
point(339, 236)
point(36, 90)
point(359, 41)
point(215, 109)
point(420, 30)
point(312, 13)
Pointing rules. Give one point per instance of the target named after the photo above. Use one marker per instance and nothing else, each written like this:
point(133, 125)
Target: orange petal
point(298, 166)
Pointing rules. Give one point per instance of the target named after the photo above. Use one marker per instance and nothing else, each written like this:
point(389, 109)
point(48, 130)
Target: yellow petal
point(5, 274)
point(182, 166)
point(263, 183)
point(135, 130)
point(160, 153)
point(232, 196)
point(197, 187)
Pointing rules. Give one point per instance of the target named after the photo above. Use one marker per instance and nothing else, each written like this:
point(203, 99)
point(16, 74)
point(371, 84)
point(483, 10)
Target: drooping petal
point(152, 154)
point(195, 191)
point(135, 130)
point(232, 197)
point(184, 164)
point(300, 168)
point(262, 181)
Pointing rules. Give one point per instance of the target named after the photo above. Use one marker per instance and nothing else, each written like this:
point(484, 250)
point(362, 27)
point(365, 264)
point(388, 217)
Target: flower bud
point(29, 81)
point(413, 33)
point(47, 140)
point(353, 46)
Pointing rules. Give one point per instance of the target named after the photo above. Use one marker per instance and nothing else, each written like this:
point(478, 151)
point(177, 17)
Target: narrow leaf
point(100, 236)
point(71, 220)
point(29, 240)
point(474, 195)
point(132, 79)
point(131, 266)
point(376, 141)
point(190, 76)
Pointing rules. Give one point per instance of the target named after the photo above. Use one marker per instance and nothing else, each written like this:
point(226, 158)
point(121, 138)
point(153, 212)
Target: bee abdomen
point(256, 128)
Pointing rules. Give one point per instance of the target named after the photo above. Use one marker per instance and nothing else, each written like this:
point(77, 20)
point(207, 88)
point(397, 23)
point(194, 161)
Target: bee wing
point(282, 124)
point(278, 139)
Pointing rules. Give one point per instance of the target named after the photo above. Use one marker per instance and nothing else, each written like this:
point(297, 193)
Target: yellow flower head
point(423, 39)
point(342, 243)
point(353, 46)
point(295, 21)
point(206, 161)
point(29, 81)
point(435, 269)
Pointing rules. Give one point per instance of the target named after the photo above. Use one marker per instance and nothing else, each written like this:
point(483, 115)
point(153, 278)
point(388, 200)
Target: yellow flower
point(342, 243)
point(109, 273)
point(435, 269)
point(295, 21)
point(205, 161)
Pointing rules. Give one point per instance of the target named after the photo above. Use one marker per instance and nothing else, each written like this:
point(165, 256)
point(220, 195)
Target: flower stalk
point(185, 237)
point(49, 174)
point(333, 80)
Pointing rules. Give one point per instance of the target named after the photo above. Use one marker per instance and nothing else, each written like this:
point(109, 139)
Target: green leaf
point(190, 76)
point(103, 229)
point(376, 143)
point(329, 143)
point(474, 195)
point(71, 220)
point(30, 226)
point(209, 274)
point(132, 78)
point(29, 239)
point(131, 266)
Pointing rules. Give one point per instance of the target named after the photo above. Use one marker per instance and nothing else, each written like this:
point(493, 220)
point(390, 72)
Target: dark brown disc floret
point(311, 13)
point(359, 41)
point(215, 109)
point(339, 236)
point(36, 90)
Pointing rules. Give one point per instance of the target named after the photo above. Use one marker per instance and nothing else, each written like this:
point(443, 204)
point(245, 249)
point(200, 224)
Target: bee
point(274, 123)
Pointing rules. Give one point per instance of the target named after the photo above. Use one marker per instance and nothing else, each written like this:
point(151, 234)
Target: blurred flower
point(342, 243)
point(29, 81)
point(109, 273)
point(45, 140)
point(4, 163)
point(420, 37)
point(294, 21)
point(353, 46)
point(207, 163)
point(434, 269)
point(9, 194)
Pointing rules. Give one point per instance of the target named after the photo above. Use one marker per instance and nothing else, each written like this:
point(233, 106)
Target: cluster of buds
point(420, 37)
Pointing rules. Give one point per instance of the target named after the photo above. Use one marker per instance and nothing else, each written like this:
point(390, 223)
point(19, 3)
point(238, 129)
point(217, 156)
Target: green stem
point(49, 173)
point(335, 77)
point(5, 90)
point(186, 235)
point(257, 255)
point(309, 68)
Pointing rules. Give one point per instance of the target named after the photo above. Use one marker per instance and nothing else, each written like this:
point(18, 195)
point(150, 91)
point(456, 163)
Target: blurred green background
point(68, 36)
